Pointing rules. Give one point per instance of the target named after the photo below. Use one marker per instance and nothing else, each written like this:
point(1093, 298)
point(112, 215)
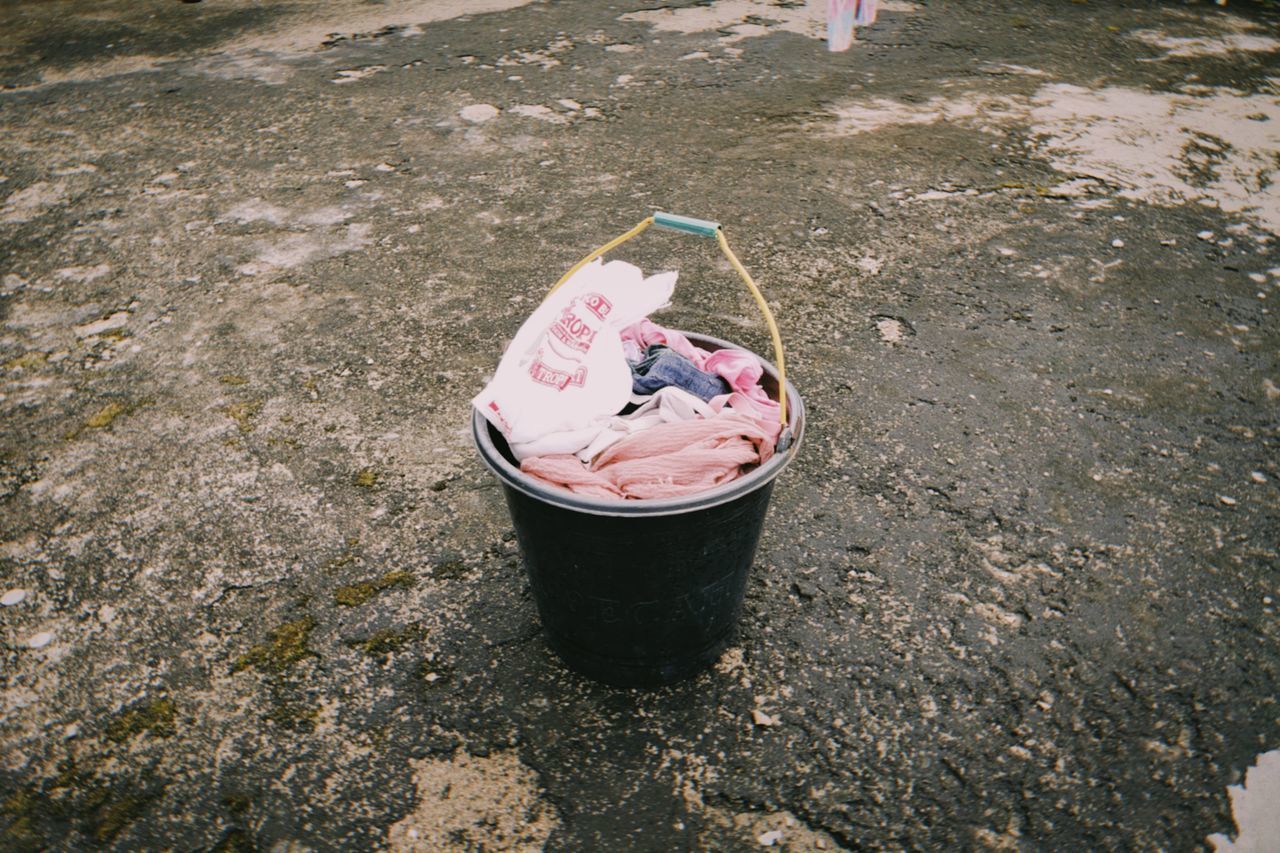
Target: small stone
point(768, 839)
point(354, 182)
point(477, 113)
point(760, 718)
point(118, 320)
point(106, 614)
point(1205, 235)
point(71, 731)
point(384, 167)
point(891, 329)
point(39, 641)
point(1227, 501)
point(13, 597)
point(804, 590)
point(1117, 244)
point(1256, 476)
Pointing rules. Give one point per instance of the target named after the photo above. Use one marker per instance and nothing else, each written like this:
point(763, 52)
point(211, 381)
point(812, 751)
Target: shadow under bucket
point(640, 593)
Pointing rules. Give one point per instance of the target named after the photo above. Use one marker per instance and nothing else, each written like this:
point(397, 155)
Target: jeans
point(661, 367)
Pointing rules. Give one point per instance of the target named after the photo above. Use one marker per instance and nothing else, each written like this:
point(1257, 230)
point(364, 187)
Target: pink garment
point(665, 461)
point(765, 415)
point(740, 369)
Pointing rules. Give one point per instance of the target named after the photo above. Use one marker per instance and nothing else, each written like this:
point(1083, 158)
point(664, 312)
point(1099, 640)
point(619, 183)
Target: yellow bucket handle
point(705, 229)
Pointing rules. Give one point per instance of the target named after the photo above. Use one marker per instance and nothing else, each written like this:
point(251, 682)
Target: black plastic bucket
point(640, 593)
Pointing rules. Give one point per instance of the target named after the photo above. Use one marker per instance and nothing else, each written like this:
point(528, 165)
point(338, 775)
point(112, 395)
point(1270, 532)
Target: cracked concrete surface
point(257, 591)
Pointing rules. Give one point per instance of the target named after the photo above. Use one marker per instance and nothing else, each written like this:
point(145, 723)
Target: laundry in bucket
point(738, 371)
point(594, 397)
point(671, 443)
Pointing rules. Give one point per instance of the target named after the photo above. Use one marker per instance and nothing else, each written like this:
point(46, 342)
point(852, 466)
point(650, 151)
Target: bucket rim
point(514, 478)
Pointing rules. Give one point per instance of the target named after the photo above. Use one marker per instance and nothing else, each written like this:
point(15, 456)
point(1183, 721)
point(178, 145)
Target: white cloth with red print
point(565, 368)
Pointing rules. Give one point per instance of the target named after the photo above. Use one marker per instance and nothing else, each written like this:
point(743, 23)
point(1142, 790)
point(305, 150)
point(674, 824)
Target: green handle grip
point(687, 224)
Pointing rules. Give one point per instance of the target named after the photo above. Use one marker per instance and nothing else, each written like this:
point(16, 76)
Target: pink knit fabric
point(666, 461)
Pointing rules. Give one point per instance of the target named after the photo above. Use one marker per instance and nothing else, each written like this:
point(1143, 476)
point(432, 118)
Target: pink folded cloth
point(665, 461)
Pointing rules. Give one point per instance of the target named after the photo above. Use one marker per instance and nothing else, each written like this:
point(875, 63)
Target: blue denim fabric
point(661, 367)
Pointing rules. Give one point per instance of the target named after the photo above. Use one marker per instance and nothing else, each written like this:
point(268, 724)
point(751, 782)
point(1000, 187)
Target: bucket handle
point(703, 228)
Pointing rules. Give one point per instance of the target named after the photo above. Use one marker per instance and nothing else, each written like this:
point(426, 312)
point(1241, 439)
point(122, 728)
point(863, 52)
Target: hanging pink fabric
point(843, 16)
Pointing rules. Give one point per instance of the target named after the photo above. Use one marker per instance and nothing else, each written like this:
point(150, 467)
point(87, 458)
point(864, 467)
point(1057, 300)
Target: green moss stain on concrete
point(106, 416)
point(358, 593)
point(101, 419)
point(233, 379)
point(286, 645)
point(237, 803)
point(346, 558)
point(366, 479)
point(158, 718)
point(112, 815)
point(72, 774)
point(294, 715)
point(235, 841)
point(384, 642)
point(243, 413)
point(19, 834)
point(27, 360)
point(79, 794)
point(449, 568)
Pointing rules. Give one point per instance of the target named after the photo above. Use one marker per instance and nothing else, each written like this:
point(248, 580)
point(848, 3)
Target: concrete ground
point(1018, 591)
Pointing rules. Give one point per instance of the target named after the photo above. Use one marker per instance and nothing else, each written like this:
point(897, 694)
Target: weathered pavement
point(1018, 592)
